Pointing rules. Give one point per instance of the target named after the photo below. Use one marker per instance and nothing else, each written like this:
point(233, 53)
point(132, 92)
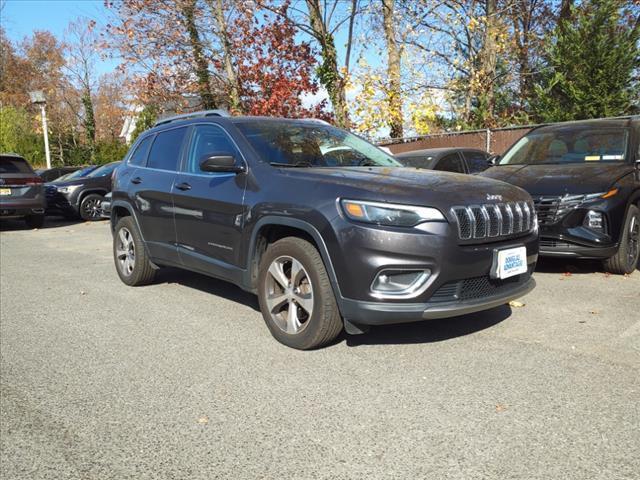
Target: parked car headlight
point(389, 214)
point(68, 189)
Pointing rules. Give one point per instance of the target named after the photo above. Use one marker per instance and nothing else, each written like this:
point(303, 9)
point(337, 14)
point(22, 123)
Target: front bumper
point(556, 247)
point(384, 313)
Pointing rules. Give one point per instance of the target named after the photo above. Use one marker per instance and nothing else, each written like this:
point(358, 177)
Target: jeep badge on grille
point(497, 198)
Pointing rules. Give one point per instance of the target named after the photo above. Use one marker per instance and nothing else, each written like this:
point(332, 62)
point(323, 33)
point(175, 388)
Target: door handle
point(183, 186)
point(136, 180)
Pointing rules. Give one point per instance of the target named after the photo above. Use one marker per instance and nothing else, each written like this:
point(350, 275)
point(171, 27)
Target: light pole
point(37, 98)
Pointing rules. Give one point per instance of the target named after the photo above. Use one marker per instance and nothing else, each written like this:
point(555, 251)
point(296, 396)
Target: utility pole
point(37, 98)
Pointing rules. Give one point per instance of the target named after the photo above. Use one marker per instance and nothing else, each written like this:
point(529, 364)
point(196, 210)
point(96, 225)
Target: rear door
point(209, 206)
point(151, 191)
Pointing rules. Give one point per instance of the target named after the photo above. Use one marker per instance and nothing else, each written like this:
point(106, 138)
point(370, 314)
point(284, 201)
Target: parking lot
point(181, 379)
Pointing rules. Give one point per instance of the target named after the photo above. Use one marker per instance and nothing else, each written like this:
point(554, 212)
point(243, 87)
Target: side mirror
point(220, 162)
point(493, 160)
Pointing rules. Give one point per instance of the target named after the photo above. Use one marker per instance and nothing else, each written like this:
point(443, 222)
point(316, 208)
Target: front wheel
point(90, 207)
point(296, 297)
point(626, 260)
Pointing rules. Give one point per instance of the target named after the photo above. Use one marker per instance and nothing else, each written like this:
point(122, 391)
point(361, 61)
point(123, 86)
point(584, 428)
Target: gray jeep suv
point(328, 230)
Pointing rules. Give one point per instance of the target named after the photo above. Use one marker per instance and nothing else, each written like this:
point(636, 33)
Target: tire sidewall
point(128, 223)
point(633, 212)
point(305, 338)
point(82, 203)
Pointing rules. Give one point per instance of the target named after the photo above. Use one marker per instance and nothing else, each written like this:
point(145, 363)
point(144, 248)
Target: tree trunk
point(232, 79)
point(488, 61)
point(202, 67)
point(328, 72)
point(394, 93)
point(89, 120)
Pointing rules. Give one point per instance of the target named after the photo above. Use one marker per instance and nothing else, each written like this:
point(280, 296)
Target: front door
point(208, 206)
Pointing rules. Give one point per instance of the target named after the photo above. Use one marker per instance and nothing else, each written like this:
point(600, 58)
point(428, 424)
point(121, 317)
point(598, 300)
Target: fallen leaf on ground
point(594, 312)
point(516, 304)
point(567, 274)
point(500, 408)
point(203, 420)
point(607, 274)
point(82, 292)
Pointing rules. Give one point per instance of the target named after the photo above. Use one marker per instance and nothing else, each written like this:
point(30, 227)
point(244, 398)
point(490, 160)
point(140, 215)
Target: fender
point(305, 227)
point(132, 212)
point(88, 191)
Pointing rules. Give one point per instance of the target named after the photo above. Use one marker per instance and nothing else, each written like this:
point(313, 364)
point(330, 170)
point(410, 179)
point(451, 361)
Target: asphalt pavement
point(182, 380)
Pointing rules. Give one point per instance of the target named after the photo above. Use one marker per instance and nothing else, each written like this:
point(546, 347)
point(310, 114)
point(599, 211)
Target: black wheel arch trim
point(89, 191)
point(305, 227)
point(127, 206)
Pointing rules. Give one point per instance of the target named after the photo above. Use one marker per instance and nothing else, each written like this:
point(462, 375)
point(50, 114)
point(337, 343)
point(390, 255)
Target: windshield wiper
point(291, 165)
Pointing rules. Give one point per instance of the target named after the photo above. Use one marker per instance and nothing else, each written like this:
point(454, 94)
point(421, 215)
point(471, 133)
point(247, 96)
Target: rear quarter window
point(14, 165)
point(139, 155)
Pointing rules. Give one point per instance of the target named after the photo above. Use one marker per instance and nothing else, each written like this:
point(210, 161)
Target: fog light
point(400, 283)
point(595, 221)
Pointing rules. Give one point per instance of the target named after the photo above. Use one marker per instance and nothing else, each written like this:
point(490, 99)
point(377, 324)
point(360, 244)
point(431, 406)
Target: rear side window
point(450, 163)
point(165, 151)
point(14, 165)
point(139, 156)
point(477, 161)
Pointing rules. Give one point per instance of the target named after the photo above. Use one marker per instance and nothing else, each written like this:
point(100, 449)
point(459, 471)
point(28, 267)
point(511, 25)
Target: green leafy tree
point(145, 120)
point(592, 61)
point(17, 136)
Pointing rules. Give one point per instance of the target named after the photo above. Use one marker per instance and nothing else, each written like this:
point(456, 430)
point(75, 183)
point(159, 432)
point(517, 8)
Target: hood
point(409, 185)
point(560, 179)
point(78, 181)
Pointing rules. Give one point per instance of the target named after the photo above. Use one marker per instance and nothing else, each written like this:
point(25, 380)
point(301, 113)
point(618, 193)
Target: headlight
point(389, 214)
point(68, 189)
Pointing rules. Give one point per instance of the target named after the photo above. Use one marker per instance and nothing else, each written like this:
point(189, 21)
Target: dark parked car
point(458, 160)
point(585, 180)
point(359, 242)
point(51, 174)
point(82, 196)
point(21, 191)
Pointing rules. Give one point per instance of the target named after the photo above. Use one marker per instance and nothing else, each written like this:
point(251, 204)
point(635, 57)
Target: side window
point(139, 156)
point(165, 151)
point(477, 161)
point(450, 163)
point(208, 139)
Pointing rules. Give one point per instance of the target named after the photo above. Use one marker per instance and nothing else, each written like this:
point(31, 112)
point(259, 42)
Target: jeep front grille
point(494, 220)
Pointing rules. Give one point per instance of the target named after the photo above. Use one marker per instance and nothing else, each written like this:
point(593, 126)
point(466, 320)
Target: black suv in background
point(21, 192)
point(449, 159)
point(74, 195)
point(327, 229)
point(584, 178)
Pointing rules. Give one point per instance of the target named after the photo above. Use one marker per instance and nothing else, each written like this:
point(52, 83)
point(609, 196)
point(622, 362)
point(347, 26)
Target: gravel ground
point(181, 379)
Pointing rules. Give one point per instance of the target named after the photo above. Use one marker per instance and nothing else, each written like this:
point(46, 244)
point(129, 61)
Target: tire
point(90, 207)
point(626, 260)
point(310, 289)
point(34, 221)
point(131, 260)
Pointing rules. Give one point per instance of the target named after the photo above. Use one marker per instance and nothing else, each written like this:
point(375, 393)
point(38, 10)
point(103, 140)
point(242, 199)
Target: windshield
point(312, 145)
point(103, 170)
point(77, 174)
point(569, 145)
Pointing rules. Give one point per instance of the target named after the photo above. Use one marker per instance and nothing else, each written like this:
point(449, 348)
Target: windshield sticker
point(591, 158)
point(612, 157)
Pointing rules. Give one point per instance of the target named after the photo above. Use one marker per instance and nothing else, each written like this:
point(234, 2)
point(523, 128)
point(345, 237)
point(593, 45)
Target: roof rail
point(185, 116)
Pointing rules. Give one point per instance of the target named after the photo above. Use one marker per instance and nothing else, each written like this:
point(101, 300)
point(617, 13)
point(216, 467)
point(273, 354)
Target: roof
point(620, 122)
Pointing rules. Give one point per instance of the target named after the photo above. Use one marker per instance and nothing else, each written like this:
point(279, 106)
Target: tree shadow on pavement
point(207, 284)
point(429, 331)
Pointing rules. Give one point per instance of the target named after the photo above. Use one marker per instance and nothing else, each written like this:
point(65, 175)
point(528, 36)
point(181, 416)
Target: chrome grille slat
point(494, 220)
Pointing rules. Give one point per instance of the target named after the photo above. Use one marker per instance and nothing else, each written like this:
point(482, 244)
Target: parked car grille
point(552, 209)
point(494, 220)
point(477, 287)
point(548, 243)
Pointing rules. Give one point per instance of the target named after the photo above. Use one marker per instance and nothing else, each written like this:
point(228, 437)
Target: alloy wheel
point(634, 240)
point(125, 252)
point(91, 208)
point(289, 294)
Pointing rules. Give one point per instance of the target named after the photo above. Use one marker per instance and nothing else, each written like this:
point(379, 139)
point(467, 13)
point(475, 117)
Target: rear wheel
point(296, 298)
point(90, 207)
point(132, 263)
point(34, 221)
point(626, 260)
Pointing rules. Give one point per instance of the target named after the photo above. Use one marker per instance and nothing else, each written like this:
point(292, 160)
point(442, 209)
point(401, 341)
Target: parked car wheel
point(132, 263)
point(34, 221)
point(296, 297)
point(626, 260)
point(90, 207)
